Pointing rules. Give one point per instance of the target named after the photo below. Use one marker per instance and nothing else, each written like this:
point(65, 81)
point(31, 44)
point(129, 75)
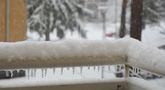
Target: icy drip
point(109, 68)
point(42, 73)
point(54, 70)
point(94, 68)
point(81, 70)
point(98, 68)
point(102, 72)
point(88, 67)
point(73, 68)
point(28, 74)
point(62, 69)
point(45, 72)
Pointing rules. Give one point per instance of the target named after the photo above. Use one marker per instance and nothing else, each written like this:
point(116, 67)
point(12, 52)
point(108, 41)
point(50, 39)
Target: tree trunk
point(136, 19)
point(47, 35)
point(123, 18)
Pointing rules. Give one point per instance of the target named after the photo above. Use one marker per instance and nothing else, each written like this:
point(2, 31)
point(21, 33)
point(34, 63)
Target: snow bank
point(81, 52)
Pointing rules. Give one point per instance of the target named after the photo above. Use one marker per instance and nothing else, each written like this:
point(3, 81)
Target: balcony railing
point(84, 53)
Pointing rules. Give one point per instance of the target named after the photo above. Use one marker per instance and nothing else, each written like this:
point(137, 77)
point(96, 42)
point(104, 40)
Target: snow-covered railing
point(80, 53)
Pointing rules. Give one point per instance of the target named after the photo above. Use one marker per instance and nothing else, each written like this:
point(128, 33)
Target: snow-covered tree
point(122, 31)
point(45, 16)
point(153, 11)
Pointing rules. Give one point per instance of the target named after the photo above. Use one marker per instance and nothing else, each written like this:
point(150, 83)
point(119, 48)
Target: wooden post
point(136, 19)
point(126, 71)
point(2, 19)
point(7, 33)
point(18, 20)
point(122, 30)
point(13, 20)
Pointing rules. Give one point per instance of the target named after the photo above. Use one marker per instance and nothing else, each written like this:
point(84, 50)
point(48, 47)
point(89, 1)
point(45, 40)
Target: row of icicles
point(44, 71)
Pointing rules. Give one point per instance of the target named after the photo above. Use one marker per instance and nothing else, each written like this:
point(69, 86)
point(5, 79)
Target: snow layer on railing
point(61, 53)
point(146, 57)
point(80, 53)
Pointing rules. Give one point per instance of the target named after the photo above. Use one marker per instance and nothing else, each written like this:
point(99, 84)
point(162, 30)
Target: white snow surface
point(62, 53)
point(81, 52)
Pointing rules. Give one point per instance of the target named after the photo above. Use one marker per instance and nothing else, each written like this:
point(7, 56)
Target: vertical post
point(136, 19)
point(102, 72)
point(7, 20)
point(126, 71)
point(122, 30)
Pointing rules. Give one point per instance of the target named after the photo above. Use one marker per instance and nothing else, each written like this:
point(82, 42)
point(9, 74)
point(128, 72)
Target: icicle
point(81, 69)
point(88, 67)
point(45, 72)
point(35, 72)
point(102, 72)
point(54, 70)
point(94, 68)
point(61, 71)
point(67, 68)
point(42, 71)
point(28, 72)
point(73, 70)
point(109, 68)
point(31, 72)
point(98, 68)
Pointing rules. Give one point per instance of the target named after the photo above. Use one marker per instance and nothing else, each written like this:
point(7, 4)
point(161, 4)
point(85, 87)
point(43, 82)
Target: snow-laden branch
point(80, 53)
